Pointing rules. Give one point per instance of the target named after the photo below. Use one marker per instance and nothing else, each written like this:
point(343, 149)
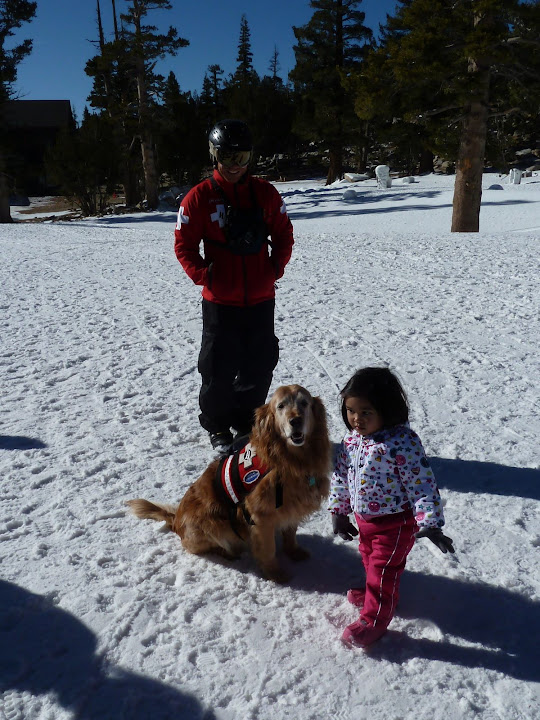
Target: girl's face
point(362, 416)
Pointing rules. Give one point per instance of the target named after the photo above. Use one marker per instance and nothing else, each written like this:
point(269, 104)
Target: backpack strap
point(226, 202)
point(221, 192)
point(228, 207)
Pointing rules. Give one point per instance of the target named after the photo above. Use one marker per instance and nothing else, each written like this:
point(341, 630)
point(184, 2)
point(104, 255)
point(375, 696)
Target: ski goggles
point(230, 159)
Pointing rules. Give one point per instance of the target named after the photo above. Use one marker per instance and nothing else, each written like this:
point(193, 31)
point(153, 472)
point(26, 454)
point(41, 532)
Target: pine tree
point(84, 162)
point(127, 89)
point(144, 46)
point(245, 56)
point(13, 13)
point(274, 114)
point(114, 94)
point(241, 88)
point(211, 103)
point(391, 133)
point(453, 64)
point(517, 124)
point(329, 47)
point(274, 64)
point(181, 140)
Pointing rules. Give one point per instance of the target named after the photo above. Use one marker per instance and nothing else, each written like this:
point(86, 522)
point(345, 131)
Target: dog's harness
point(237, 475)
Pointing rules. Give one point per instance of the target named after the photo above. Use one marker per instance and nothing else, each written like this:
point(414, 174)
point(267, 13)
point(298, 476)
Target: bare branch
point(439, 111)
point(523, 41)
point(505, 113)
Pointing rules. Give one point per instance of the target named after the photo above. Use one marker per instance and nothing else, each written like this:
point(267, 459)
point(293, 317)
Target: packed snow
point(104, 617)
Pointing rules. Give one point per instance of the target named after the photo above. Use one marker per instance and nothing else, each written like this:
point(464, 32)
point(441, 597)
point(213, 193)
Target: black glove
point(343, 527)
point(443, 542)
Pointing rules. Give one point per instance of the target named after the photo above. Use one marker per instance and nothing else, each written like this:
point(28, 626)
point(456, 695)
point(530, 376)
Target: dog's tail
point(153, 511)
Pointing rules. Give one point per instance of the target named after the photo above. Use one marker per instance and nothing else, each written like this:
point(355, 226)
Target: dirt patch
point(48, 205)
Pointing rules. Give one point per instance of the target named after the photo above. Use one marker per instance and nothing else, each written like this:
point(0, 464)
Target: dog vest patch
point(237, 475)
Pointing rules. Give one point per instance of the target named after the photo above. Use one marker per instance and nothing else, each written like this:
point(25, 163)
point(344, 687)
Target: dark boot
point(221, 441)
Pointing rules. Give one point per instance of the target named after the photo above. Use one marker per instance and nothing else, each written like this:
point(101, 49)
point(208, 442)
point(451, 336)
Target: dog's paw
point(297, 553)
point(277, 575)
point(228, 555)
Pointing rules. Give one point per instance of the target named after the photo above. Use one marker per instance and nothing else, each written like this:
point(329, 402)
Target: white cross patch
point(246, 457)
point(219, 215)
point(183, 219)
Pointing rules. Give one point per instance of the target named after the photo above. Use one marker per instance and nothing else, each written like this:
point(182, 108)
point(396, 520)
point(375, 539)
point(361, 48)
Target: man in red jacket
point(247, 241)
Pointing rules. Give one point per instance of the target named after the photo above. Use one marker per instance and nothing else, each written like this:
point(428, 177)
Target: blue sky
point(62, 32)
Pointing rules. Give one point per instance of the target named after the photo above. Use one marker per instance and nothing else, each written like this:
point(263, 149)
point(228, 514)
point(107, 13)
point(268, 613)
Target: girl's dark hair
point(380, 388)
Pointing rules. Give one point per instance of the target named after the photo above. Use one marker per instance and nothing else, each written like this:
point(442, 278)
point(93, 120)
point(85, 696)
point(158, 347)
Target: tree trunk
point(335, 169)
point(5, 214)
point(130, 185)
point(425, 164)
point(151, 181)
point(364, 149)
point(470, 164)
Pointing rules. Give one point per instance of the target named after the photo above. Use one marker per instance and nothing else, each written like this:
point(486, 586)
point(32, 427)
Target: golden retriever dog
point(280, 478)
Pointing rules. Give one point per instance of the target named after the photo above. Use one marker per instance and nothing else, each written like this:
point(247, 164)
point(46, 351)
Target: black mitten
point(443, 542)
point(343, 527)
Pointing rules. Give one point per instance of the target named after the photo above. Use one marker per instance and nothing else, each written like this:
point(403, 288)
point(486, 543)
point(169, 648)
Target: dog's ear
point(264, 419)
point(319, 411)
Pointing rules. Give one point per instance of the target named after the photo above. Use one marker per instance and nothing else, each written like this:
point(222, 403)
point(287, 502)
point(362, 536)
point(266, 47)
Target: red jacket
point(229, 279)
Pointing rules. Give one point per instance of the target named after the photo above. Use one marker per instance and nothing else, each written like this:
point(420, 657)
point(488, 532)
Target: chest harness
point(237, 475)
point(245, 229)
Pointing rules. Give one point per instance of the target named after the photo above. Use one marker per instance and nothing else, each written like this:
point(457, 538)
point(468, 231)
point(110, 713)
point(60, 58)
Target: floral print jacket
point(384, 473)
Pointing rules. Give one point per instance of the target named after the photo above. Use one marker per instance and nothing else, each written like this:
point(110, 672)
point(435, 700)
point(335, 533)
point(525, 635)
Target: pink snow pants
point(384, 543)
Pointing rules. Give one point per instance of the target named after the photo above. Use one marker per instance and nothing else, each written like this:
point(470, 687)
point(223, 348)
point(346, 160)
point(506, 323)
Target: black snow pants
point(239, 352)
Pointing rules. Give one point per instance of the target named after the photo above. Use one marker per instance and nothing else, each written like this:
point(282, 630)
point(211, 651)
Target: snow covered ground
point(104, 617)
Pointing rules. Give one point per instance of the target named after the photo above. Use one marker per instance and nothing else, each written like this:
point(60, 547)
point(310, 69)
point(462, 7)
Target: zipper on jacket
point(244, 268)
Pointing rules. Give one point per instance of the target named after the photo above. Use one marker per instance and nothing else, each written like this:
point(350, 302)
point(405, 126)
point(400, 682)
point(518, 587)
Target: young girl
point(383, 476)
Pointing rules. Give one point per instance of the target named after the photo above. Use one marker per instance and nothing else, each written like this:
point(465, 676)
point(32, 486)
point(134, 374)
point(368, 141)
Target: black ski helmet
point(230, 138)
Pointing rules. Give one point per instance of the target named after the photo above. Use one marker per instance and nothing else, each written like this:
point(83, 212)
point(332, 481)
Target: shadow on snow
point(303, 210)
point(349, 211)
point(499, 621)
point(20, 442)
point(469, 476)
point(44, 649)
